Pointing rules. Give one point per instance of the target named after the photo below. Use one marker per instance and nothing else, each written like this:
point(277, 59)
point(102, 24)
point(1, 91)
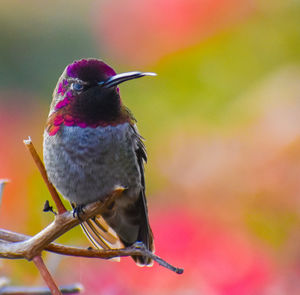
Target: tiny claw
point(78, 209)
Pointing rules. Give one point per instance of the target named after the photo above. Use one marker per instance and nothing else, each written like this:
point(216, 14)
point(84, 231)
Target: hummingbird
point(91, 147)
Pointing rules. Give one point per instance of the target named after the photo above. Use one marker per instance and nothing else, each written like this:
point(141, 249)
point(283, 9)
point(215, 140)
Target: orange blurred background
point(222, 129)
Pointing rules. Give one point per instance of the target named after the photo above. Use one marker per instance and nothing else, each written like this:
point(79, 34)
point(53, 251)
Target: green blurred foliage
point(38, 41)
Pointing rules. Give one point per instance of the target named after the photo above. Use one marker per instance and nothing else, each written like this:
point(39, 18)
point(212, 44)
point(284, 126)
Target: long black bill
point(120, 78)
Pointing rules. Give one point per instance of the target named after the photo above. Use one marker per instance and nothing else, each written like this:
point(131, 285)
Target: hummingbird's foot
point(139, 245)
point(78, 209)
point(48, 208)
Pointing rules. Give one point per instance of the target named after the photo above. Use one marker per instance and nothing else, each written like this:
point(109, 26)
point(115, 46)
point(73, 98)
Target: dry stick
point(60, 208)
point(38, 261)
point(136, 249)
point(61, 224)
point(59, 205)
point(34, 245)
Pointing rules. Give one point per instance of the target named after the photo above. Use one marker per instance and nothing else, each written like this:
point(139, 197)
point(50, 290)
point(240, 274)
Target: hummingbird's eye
point(76, 86)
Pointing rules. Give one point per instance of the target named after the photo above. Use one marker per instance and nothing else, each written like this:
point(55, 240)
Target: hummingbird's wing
point(113, 229)
point(145, 233)
point(130, 221)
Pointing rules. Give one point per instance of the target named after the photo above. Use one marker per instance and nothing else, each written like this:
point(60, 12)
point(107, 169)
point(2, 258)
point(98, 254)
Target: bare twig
point(59, 205)
point(39, 263)
point(61, 224)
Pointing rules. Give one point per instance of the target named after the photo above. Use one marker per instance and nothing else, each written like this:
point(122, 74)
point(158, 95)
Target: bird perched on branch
point(92, 147)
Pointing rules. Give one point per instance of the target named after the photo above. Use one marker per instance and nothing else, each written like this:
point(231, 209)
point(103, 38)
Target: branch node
point(27, 141)
point(48, 208)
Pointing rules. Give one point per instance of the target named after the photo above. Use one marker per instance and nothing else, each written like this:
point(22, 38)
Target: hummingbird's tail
point(121, 226)
point(101, 235)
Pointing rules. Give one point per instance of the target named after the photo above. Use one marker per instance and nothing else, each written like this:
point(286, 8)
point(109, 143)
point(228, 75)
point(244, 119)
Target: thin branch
point(39, 263)
point(59, 205)
point(2, 184)
point(136, 249)
point(12, 290)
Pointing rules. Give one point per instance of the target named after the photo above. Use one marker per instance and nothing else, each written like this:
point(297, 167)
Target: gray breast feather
point(85, 164)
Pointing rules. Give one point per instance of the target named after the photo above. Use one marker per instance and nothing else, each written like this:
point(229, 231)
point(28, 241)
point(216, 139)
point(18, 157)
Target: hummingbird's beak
point(120, 78)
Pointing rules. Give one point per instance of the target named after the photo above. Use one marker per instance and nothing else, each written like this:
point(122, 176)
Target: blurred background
point(222, 128)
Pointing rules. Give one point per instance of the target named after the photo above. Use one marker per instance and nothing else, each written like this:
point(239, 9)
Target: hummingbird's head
point(87, 92)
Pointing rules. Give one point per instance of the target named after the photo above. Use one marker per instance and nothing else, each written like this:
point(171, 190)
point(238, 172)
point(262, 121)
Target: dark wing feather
point(145, 233)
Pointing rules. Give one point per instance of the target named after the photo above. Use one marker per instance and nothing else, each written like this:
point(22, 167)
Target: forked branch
point(17, 246)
